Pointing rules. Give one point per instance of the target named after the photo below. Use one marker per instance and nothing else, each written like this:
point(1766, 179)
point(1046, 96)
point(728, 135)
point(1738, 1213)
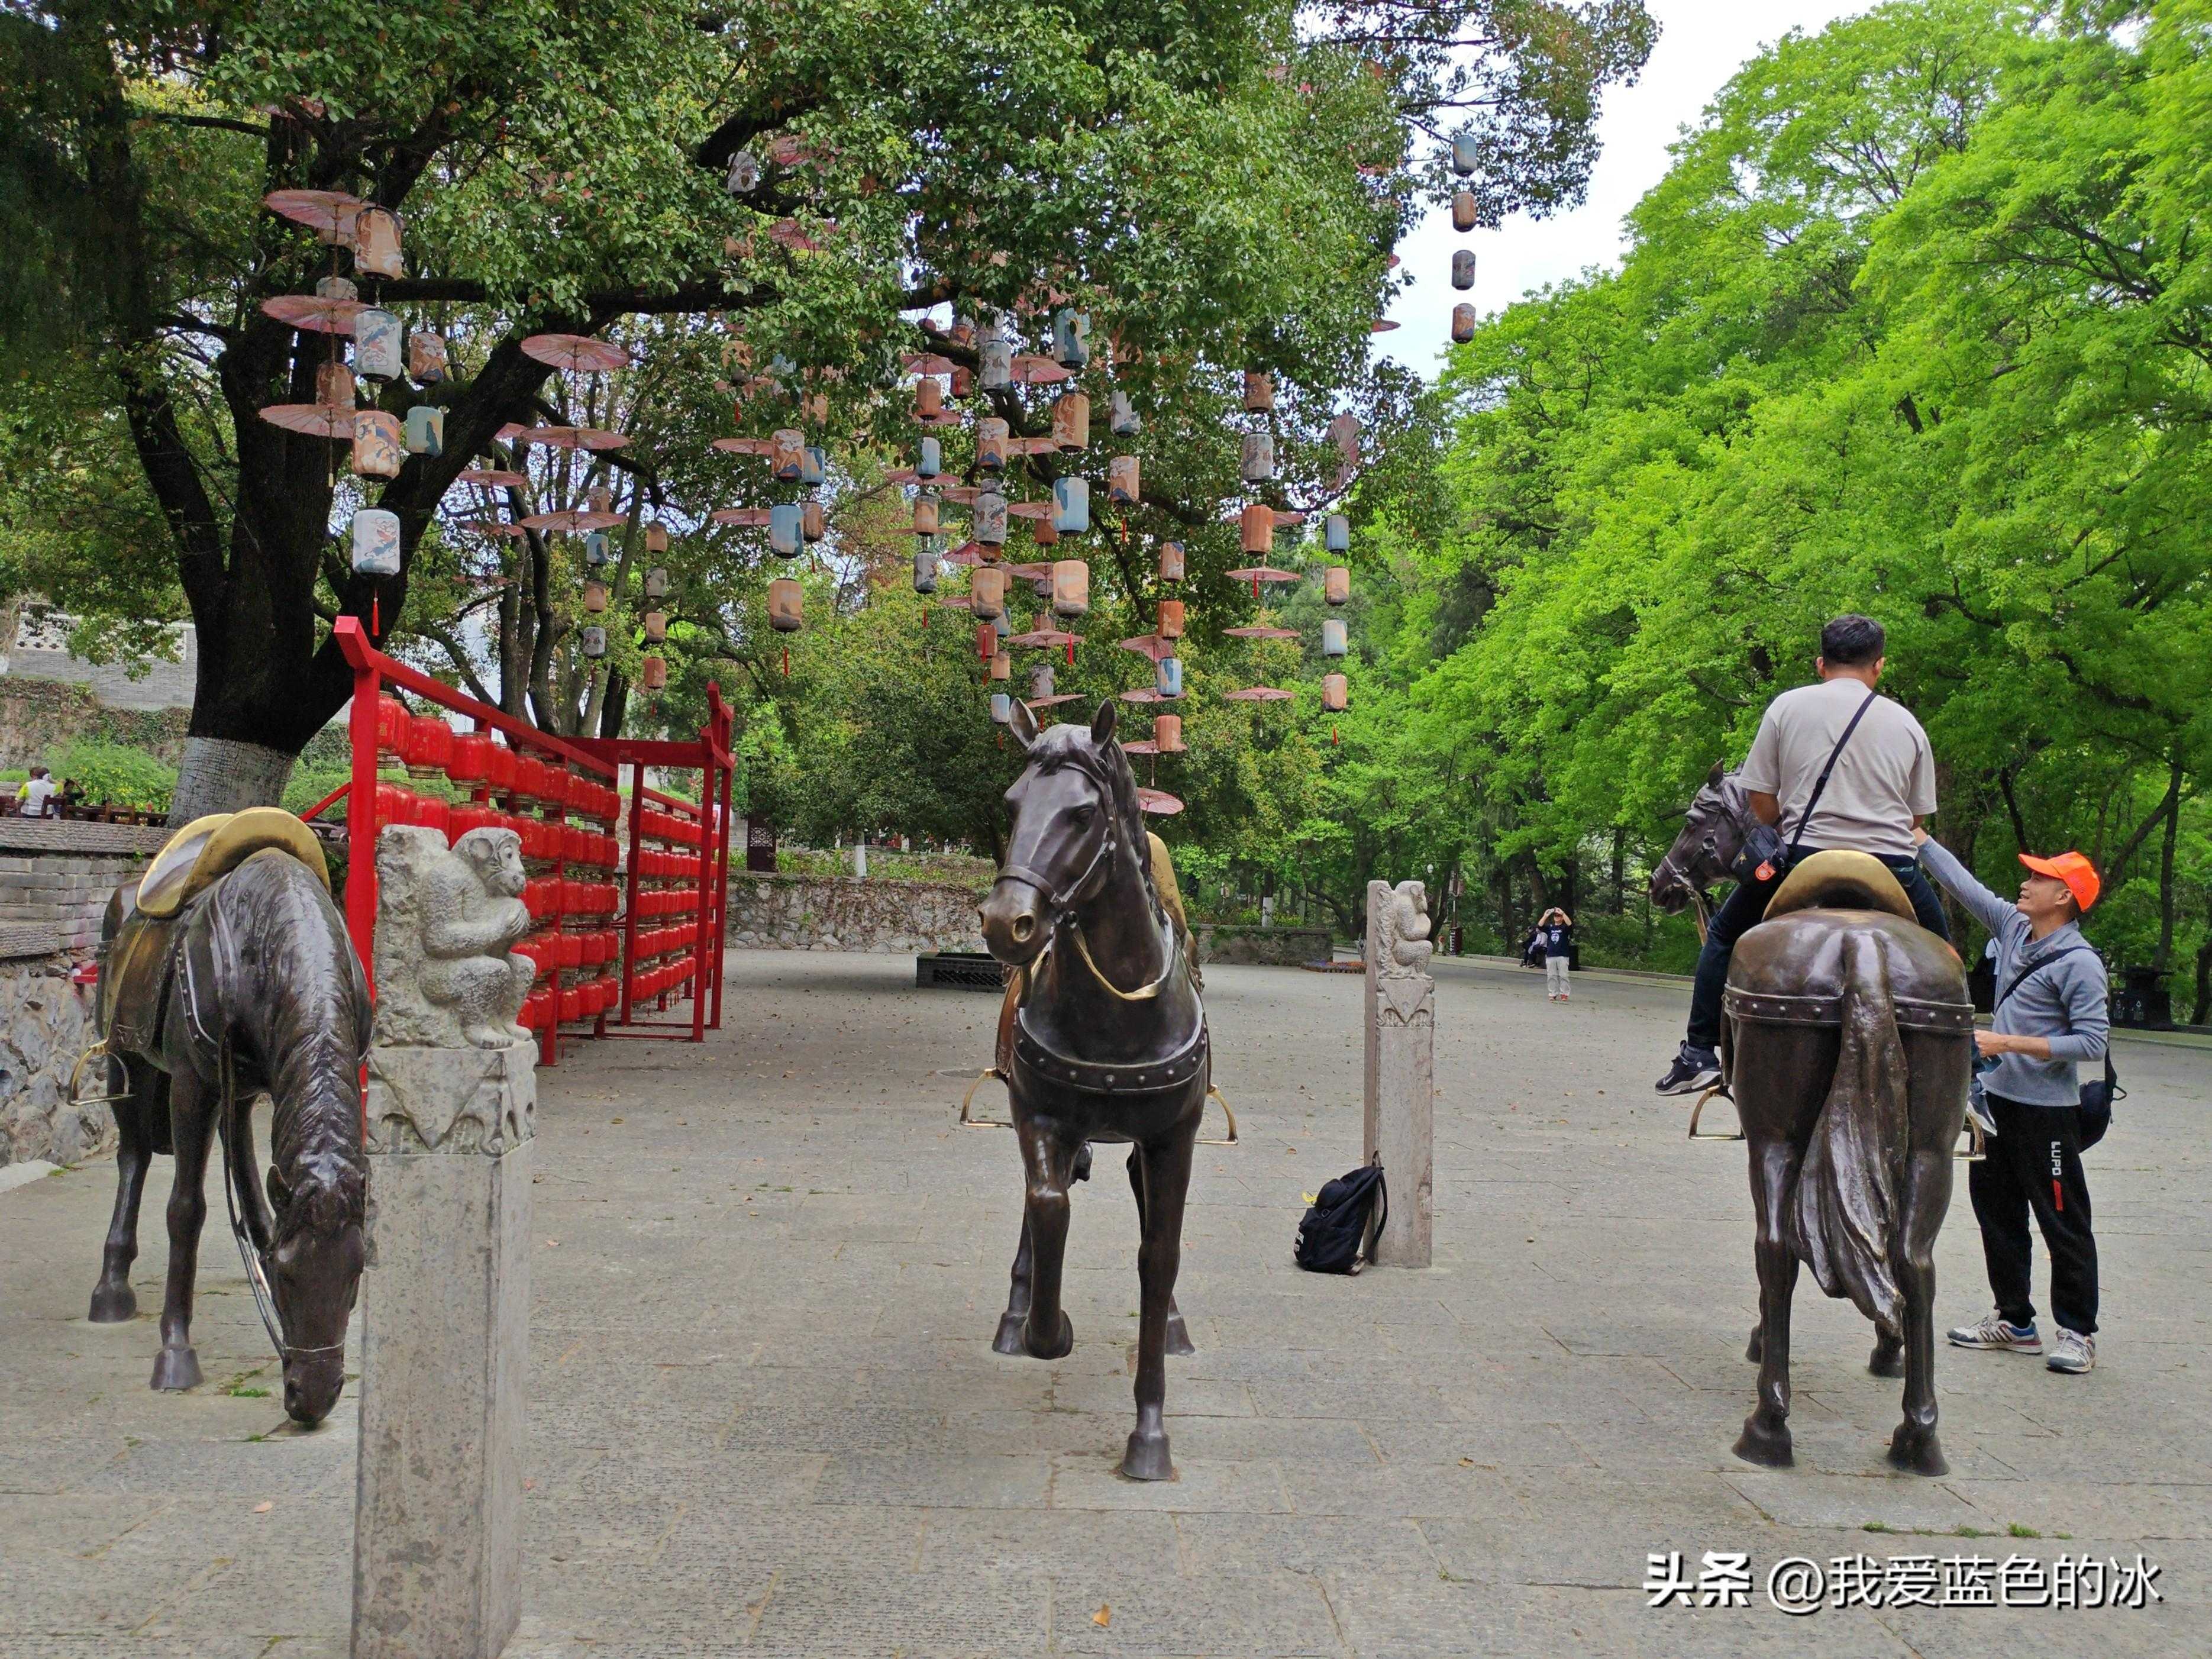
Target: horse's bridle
point(1061, 900)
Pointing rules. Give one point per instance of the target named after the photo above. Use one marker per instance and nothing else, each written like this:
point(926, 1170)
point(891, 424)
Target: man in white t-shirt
point(31, 800)
point(1883, 784)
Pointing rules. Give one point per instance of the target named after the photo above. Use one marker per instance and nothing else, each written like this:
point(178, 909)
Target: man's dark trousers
point(1742, 910)
point(2034, 1166)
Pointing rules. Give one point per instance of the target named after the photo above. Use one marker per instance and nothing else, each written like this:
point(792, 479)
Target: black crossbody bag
point(2097, 1094)
point(1762, 853)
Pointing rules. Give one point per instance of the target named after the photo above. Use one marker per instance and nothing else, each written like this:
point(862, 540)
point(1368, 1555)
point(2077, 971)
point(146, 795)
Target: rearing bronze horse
point(1847, 1045)
point(1105, 1040)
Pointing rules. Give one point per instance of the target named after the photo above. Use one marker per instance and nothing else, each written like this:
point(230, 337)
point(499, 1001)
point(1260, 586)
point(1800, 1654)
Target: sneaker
point(1693, 1071)
point(2072, 1351)
point(1996, 1332)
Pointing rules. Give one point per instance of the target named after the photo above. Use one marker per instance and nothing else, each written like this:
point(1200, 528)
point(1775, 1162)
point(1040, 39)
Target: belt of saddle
point(1913, 1014)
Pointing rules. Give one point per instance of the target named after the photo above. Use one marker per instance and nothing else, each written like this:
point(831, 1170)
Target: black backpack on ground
point(1333, 1234)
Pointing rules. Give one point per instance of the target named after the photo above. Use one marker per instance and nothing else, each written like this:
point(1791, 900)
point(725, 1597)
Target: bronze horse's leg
point(177, 1366)
point(1009, 1339)
point(1178, 1335)
point(1048, 1333)
point(1166, 1181)
point(113, 1301)
point(1774, 1162)
point(1927, 1196)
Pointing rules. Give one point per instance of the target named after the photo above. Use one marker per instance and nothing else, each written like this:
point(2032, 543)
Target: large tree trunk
point(2166, 864)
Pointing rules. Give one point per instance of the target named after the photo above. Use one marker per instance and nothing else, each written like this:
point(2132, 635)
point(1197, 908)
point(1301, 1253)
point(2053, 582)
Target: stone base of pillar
point(437, 1549)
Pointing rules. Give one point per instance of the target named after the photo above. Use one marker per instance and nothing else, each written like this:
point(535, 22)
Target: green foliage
point(113, 774)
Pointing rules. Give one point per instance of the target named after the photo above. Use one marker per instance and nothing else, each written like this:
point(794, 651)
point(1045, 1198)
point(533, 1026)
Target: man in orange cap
point(2051, 1014)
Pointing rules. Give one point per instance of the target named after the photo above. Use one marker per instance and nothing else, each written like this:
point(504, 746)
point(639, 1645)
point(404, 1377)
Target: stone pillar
point(452, 1091)
point(1399, 1117)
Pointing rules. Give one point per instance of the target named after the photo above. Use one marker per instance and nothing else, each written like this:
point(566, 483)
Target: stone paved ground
point(765, 1418)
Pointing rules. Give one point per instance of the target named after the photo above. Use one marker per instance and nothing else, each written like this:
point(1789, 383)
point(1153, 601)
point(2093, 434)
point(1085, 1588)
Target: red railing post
point(629, 885)
point(361, 804)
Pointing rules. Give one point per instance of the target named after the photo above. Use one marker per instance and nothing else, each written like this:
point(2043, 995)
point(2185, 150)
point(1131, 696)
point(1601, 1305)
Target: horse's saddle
point(207, 849)
point(1789, 970)
point(1837, 880)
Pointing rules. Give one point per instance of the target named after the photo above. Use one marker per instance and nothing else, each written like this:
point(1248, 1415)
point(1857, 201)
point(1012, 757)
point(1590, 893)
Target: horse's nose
point(1023, 926)
point(1010, 921)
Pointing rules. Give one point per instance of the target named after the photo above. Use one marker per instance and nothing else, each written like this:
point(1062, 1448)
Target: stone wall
point(1267, 947)
point(56, 875)
point(46, 1023)
point(841, 913)
point(38, 716)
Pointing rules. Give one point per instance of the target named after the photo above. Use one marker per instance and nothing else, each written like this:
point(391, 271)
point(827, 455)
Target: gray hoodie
point(2065, 1001)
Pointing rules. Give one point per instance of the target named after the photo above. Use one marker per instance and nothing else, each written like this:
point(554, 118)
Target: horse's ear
point(1713, 778)
point(1102, 723)
point(1023, 724)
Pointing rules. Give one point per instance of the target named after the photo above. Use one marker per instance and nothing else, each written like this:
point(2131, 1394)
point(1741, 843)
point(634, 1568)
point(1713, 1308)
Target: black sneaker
point(1694, 1070)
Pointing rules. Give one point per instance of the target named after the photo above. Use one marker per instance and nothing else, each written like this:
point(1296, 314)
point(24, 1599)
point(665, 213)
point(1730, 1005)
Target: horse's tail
point(1843, 1219)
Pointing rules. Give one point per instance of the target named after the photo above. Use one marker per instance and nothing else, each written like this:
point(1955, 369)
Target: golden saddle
point(209, 848)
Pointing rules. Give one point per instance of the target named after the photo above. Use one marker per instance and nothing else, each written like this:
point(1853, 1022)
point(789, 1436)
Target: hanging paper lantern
point(744, 175)
point(1070, 505)
point(652, 673)
point(928, 398)
point(994, 362)
point(1122, 480)
point(964, 381)
point(376, 243)
point(787, 529)
point(815, 408)
point(986, 592)
point(1465, 156)
point(1121, 417)
point(1002, 707)
point(1335, 693)
point(1257, 522)
point(1462, 323)
point(656, 580)
point(1041, 681)
point(928, 516)
point(1171, 562)
point(1170, 619)
point(1336, 585)
point(1071, 588)
point(1071, 338)
point(595, 642)
point(1002, 664)
point(597, 549)
point(1333, 640)
point(336, 287)
point(1167, 677)
point(1259, 391)
point(1044, 532)
point(375, 543)
point(1071, 420)
point(787, 453)
point(379, 343)
point(656, 626)
point(601, 498)
point(931, 461)
point(1336, 533)
point(1462, 267)
point(925, 569)
point(991, 436)
point(787, 605)
point(334, 386)
point(1167, 734)
point(813, 520)
point(813, 465)
point(426, 430)
point(595, 597)
point(987, 641)
point(378, 444)
point(1463, 209)
point(991, 518)
point(656, 541)
point(426, 357)
point(1255, 459)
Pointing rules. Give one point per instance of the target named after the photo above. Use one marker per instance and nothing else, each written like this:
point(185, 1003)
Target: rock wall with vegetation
point(843, 913)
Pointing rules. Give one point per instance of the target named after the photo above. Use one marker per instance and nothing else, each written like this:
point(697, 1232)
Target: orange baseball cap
point(2074, 870)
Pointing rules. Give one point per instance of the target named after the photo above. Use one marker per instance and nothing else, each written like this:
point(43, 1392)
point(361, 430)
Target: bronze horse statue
point(1102, 1038)
point(226, 973)
point(1847, 1043)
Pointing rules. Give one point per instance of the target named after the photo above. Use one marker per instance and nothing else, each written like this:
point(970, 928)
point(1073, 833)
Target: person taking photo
point(1555, 943)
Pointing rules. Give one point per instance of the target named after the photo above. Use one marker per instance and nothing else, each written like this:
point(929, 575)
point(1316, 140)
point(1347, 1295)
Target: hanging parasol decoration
point(1157, 802)
point(494, 528)
point(1151, 647)
point(743, 518)
point(927, 362)
point(1056, 699)
point(1258, 632)
point(745, 446)
point(1381, 326)
point(578, 354)
point(314, 313)
point(1141, 746)
point(572, 437)
point(316, 420)
point(1032, 368)
point(509, 433)
point(571, 522)
point(1029, 573)
point(1256, 574)
point(1045, 638)
point(1258, 694)
point(490, 477)
point(1142, 694)
point(329, 213)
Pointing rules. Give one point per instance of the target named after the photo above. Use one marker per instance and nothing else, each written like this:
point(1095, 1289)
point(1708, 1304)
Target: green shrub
point(114, 773)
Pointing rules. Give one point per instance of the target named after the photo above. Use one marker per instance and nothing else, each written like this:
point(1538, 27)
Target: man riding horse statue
point(1844, 1032)
point(226, 973)
point(1102, 1038)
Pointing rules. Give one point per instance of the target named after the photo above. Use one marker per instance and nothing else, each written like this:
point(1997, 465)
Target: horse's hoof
point(1917, 1451)
point(1178, 1339)
point(113, 1304)
point(176, 1369)
point(1058, 1347)
point(1769, 1448)
point(1009, 1339)
point(1146, 1458)
point(1755, 1350)
point(1887, 1360)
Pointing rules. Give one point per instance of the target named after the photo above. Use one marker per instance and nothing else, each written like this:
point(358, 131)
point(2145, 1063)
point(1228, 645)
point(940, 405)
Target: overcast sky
point(1701, 43)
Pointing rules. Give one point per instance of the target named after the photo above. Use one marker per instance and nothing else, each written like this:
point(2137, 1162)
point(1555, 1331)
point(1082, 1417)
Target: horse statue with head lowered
point(226, 973)
point(1847, 1042)
point(1102, 1037)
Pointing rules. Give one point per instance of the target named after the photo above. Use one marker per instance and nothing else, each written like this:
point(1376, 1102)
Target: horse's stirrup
point(1697, 1110)
point(1977, 1142)
point(969, 1100)
point(1213, 1093)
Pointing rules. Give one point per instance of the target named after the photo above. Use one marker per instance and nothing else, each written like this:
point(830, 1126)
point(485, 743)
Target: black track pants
point(2034, 1164)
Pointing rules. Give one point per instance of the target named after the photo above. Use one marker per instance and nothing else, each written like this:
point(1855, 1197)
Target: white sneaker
point(2072, 1351)
point(1996, 1333)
